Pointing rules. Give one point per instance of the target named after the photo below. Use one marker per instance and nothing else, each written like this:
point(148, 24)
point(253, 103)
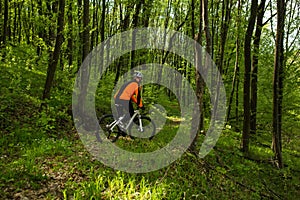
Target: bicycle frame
point(116, 122)
point(136, 112)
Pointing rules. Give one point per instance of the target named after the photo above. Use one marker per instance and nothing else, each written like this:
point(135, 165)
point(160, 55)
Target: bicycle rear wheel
point(106, 124)
point(148, 128)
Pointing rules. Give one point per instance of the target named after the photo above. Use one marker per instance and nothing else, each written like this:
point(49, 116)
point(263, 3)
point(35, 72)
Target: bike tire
point(148, 126)
point(113, 134)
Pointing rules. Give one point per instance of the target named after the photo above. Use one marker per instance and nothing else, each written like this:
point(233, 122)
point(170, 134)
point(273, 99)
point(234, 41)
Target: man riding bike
point(128, 94)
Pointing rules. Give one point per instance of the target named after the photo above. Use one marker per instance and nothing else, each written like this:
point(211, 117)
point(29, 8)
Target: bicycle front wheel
point(142, 128)
point(111, 131)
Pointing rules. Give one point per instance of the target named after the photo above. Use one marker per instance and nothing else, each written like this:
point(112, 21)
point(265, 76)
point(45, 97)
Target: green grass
point(52, 167)
point(118, 186)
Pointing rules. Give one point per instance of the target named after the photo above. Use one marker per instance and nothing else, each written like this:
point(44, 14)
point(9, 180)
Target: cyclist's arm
point(136, 98)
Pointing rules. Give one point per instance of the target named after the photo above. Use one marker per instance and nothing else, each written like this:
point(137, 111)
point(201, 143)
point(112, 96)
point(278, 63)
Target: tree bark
point(235, 80)
point(79, 40)
point(5, 23)
point(102, 35)
point(84, 76)
point(135, 22)
point(254, 72)
point(94, 24)
point(278, 83)
point(55, 56)
point(123, 61)
point(209, 44)
point(70, 34)
point(86, 29)
point(226, 16)
point(247, 85)
point(206, 27)
point(199, 81)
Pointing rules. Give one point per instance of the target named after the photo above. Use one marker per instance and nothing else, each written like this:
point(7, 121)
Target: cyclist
point(129, 93)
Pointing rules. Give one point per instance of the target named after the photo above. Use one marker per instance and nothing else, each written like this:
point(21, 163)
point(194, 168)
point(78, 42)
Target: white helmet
point(138, 74)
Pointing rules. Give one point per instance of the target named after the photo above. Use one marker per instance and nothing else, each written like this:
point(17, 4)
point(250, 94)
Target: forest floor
point(61, 168)
point(42, 157)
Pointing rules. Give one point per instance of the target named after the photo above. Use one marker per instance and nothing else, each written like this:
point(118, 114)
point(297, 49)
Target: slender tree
point(79, 32)
point(254, 71)
point(125, 22)
point(135, 22)
point(206, 26)
point(198, 78)
point(235, 85)
point(70, 34)
point(56, 53)
point(86, 29)
point(146, 12)
point(84, 76)
point(278, 83)
point(94, 33)
point(5, 23)
point(226, 17)
point(102, 23)
point(247, 62)
point(102, 33)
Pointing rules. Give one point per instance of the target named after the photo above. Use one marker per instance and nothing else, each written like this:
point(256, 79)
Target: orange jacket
point(130, 91)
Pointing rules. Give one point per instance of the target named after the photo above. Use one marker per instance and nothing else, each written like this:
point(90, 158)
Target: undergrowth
point(42, 156)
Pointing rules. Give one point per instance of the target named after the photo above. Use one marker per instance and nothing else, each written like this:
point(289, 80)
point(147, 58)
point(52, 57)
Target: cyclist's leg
point(130, 109)
point(123, 109)
point(126, 110)
point(119, 109)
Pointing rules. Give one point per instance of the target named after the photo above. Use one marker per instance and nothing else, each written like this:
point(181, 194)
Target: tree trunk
point(259, 24)
point(226, 16)
point(135, 22)
point(247, 85)
point(93, 27)
point(208, 38)
point(198, 118)
point(70, 34)
point(198, 124)
point(278, 83)
point(206, 27)
point(147, 12)
point(15, 22)
point(166, 24)
point(123, 61)
point(102, 35)
point(5, 23)
point(55, 56)
point(79, 40)
point(84, 76)
point(236, 67)
point(86, 29)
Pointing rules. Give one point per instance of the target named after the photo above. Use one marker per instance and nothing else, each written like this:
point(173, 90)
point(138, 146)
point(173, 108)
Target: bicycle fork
point(141, 124)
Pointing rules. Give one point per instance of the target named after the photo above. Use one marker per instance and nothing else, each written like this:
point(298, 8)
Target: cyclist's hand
point(143, 107)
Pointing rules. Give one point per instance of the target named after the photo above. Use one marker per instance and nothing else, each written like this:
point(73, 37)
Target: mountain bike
point(138, 126)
